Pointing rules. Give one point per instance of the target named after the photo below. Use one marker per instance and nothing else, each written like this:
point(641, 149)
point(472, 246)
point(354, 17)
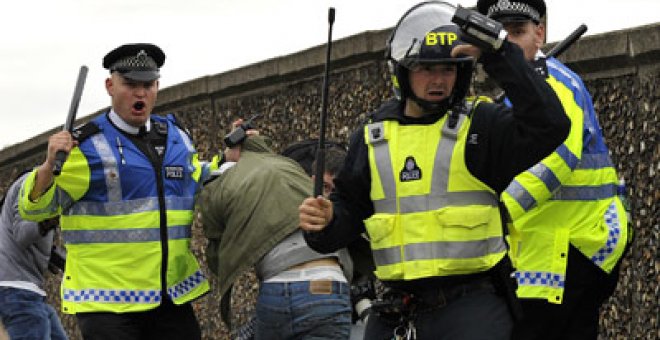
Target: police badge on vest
point(410, 171)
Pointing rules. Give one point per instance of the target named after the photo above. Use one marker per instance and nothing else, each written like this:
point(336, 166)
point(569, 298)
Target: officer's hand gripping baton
point(61, 155)
point(320, 151)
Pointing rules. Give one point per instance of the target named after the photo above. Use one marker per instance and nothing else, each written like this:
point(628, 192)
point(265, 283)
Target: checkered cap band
point(140, 61)
point(511, 7)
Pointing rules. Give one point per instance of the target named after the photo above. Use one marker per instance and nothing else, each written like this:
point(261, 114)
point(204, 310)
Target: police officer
point(423, 177)
point(126, 194)
point(569, 229)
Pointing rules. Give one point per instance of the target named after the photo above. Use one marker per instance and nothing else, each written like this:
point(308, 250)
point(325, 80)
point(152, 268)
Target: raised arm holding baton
point(61, 155)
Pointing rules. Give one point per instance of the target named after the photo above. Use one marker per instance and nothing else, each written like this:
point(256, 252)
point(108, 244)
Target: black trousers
point(478, 315)
point(587, 288)
point(167, 321)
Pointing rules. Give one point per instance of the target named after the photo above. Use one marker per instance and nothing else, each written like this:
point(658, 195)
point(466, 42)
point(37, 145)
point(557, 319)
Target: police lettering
point(410, 175)
point(442, 38)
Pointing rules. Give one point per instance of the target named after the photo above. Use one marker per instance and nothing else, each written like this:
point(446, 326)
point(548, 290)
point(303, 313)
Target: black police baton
point(557, 50)
point(320, 151)
point(61, 155)
point(563, 45)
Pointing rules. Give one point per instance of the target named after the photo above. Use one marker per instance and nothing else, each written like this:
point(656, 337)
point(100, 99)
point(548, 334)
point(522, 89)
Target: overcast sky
point(43, 43)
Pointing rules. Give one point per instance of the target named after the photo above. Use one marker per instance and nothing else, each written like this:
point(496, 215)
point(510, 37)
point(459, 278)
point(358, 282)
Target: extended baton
point(320, 151)
point(558, 49)
point(563, 45)
point(61, 155)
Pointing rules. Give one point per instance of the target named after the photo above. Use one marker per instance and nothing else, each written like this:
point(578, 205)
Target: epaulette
point(85, 131)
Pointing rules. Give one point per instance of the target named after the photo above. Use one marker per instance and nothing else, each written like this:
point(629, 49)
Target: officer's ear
point(539, 35)
point(108, 85)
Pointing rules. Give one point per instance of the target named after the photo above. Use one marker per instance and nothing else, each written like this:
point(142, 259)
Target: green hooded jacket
point(250, 208)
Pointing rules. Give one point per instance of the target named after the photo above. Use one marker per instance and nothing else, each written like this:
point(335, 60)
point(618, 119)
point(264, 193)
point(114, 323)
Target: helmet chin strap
point(432, 107)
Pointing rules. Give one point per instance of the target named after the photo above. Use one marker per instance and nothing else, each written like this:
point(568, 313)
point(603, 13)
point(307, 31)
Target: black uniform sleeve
point(351, 200)
point(503, 141)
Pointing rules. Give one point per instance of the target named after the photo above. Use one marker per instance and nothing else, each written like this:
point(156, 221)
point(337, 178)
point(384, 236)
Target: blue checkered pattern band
point(111, 296)
point(612, 222)
point(540, 279)
point(185, 286)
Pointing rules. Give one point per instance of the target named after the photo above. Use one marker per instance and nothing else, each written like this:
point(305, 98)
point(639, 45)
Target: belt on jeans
point(314, 287)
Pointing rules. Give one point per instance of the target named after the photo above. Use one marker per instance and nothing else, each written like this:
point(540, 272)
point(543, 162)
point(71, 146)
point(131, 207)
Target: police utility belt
point(395, 303)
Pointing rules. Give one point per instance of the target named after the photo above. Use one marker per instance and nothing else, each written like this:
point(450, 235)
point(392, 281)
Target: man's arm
point(508, 141)
point(26, 233)
point(61, 141)
point(556, 169)
point(210, 211)
point(333, 224)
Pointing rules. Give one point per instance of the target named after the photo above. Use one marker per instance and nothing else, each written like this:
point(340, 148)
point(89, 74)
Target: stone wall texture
point(621, 70)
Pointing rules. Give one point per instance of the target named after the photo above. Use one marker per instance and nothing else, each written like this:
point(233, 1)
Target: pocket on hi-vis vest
point(466, 223)
point(379, 227)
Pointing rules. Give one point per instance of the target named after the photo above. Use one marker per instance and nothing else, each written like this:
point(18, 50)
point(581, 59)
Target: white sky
point(43, 43)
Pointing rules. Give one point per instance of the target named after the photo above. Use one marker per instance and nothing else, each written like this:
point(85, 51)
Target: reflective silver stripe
point(376, 133)
point(439, 250)
point(585, 193)
point(124, 235)
point(568, 156)
point(454, 250)
point(595, 161)
point(186, 140)
point(439, 197)
point(545, 174)
point(50, 209)
point(411, 204)
point(110, 170)
point(64, 199)
point(442, 160)
point(130, 206)
point(521, 195)
point(386, 256)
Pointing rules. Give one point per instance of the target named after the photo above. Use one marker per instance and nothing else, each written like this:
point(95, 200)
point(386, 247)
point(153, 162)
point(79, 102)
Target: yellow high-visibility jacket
point(440, 223)
point(125, 222)
point(568, 198)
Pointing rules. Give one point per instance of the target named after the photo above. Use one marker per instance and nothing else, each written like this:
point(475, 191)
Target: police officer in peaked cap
point(568, 242)
point(140, 276)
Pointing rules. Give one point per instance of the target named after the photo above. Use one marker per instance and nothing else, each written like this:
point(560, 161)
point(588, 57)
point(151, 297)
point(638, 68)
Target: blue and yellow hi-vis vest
point(569, 197)
point(120, 216)
point(432, 217)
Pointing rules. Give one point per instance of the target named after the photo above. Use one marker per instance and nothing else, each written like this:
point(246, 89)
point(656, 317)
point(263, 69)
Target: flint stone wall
point(621, 70)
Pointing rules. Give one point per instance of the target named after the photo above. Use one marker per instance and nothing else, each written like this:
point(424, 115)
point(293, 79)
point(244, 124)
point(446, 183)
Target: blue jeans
point(319, 309)
point(26, 315)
